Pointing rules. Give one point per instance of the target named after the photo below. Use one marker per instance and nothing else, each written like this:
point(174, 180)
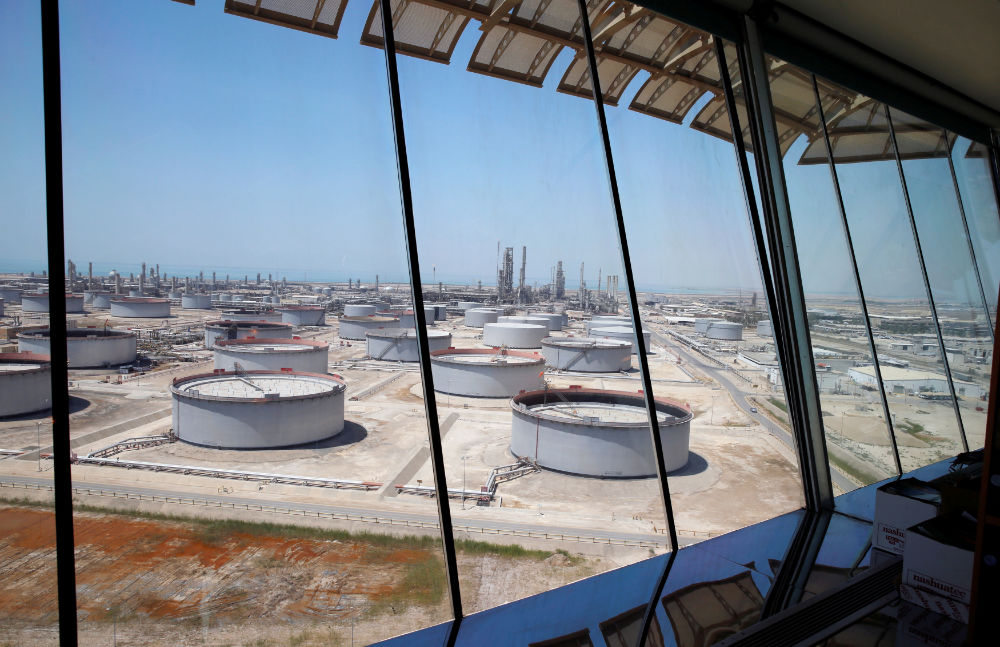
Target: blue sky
point(193, 138)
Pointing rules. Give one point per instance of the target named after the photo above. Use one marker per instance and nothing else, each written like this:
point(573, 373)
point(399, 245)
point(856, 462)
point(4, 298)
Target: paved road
point(734, 385)
point(431, 521)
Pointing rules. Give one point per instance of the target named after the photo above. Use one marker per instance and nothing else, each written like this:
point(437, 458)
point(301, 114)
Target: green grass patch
point(850, 469)
point(778, 403)
point(910, 427)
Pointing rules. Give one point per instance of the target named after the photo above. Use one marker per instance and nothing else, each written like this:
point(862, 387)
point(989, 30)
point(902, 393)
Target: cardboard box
point(938, 604)
point(916, 625)
point(939, 556)
point(899, 505)
point(880, 558)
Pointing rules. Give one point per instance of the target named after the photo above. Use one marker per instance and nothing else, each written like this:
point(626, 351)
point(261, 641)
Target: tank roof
point(23, 362)
point(596, 407)
point(486, 356)
point(257, 386)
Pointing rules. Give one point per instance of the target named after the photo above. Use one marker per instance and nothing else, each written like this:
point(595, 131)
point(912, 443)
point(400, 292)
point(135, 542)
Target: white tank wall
point(621, 332)
point(594, 450)
point(101, 301)
point(764, 328)
point(526, 319)
point(304, 317)
point(25, 391)
point(607, 322)
point(258, 424)
point(251, 316)
point(440, 312)
point(11, 295)
point(358, 330)
point(725, 330)
point(140, 309)
point(212, 333)
point(359, 310)
point(40, 303)
point(513, 335)
point(701, 325)
point(468, 305)
point(86, 352)
point(314, 360)
point(485, 380)
point(196, 301)
point(555, 320)
point(479, 317)
point(405, 349)
point(593, 359)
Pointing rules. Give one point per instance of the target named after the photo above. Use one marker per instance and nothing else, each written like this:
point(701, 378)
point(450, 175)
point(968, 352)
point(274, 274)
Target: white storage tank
point(514, 335)
point(356, 328)
point(25, 383)
point(525, 319)
point(555, 319)
point(469, 305)
point(479, 317)
point(606, 322)
point(440, 312)
point(724, 330)
point(303, 315)
point(764, 328)
point(300, 355)
point(486, 373)
point(10, 294)
point(85, 347)
point(219, 330)
point(257, 409)
point(604, 434)
point(359, 309)
point(250, 314)
point(623, 332)
point(39, 302)
point(196, 301)
point(101, 300)
point(140, 307)
point(701, 324)
point(587, 354)
point(400, 344)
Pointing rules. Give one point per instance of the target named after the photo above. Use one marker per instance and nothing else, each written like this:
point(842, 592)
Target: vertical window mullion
point(420, 323)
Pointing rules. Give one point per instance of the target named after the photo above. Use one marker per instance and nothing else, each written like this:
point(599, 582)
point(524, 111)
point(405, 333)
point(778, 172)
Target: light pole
point(38, 442)
point(463, 481)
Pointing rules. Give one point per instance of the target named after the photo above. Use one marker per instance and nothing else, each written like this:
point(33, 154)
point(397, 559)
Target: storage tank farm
point(400, 344)
point(25, 383)
point(596, 433)
point(196, 301)
point(514, 335)
point(724, 330)
point(257, 409)
point(85, 347)
point(486, 373)
point(256, 354)
point(479, 317)
point(39, 302)
point(356, 328)
point(587, 354)
point(140, 307)
point(303, 315)
point(218, 330)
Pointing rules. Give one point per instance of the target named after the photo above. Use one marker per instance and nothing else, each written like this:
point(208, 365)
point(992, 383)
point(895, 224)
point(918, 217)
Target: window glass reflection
point(232, 205)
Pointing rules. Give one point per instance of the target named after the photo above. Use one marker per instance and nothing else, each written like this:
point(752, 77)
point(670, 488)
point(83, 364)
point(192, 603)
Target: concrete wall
point(258, 424)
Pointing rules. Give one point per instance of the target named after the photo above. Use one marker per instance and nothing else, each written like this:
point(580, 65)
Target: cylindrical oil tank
point(479, 317)
point(524, 319)
point(196, 301)
point(514, 335)
point(102, 300)
point(300, 355)
point(10, 294)
point(430, 315)
point(469, 305)
point(604, 434)
point(623, 332)
point(702, 323)
point(39, 302)
point(175, 294)
point(440, 312)
point(135, 292)
point(764, 328)
point(257, 409)
point(357, 327)
point(303, 315)
point(25, 383)
point(225, 297)
point(218, 330)
point(606, 322)
point(400, 344)
point(484, 373)
point(587, 354)
point(140, 307)
point(406, 319)
point(555, 319)
point(249, 314)
point(359, 309)
point(725, 330)
point(85, 347)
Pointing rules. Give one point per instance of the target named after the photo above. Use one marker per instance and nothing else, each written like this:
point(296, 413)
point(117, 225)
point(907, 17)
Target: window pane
point(227, 170)
point(699, 286)
point(29, 612)
point(514, 220)
point(913, 371)
point(857, 436)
